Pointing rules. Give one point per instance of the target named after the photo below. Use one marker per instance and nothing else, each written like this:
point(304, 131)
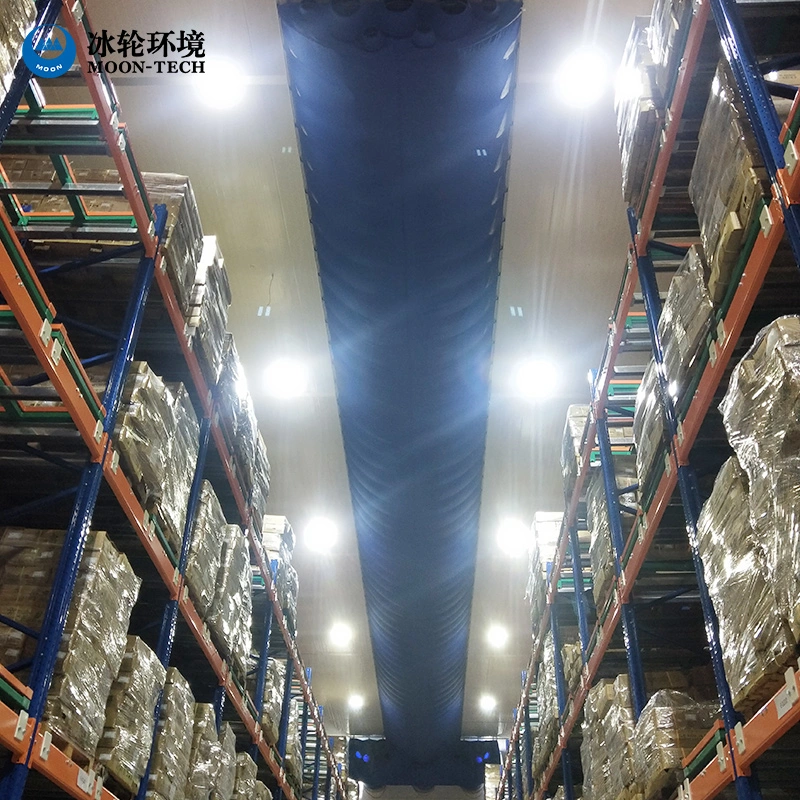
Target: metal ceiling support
point(13, 786)
point(580, 597)
point(746, 786)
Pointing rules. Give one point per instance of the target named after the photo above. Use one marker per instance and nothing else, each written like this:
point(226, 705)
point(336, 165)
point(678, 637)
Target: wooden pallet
point(70, 750)
point(759, 691)
point(662, 784)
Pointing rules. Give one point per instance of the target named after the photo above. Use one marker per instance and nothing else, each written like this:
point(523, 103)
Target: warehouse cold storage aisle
point(710, 175)
point(120, 479)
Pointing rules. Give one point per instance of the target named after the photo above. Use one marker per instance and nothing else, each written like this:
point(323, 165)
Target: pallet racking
point(729, 757)
point(31, 125)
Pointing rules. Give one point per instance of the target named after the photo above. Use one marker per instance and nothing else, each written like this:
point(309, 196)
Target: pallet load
point(261, 792)
point(294, 756)
point(207, 315)
point(206, 757)
point(648, 423)
point(547, 707)
point(601, 551)
point(637, 102)
point(128, 733)
point(231, 612)
point(157, 436)
point(728, 179)
point(246, 773)
point(536, 591)
point(273, 699)
point(571, 442)
point(183, 241)
point(573, 665)
point(16, 19)
point(668, 729)
point(205, 550)
point(667, 21)
point(93, 645)
point(169, 768)
point(28, 562)
point(226, 772)
point(757, 641)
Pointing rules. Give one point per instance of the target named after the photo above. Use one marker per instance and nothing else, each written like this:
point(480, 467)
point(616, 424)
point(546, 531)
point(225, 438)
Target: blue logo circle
point(48, 51)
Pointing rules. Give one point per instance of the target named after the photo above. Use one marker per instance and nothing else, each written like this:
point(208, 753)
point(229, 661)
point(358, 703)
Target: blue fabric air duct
point(403, 111)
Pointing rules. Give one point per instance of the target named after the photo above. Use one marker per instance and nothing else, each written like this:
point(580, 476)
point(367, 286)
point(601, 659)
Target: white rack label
point(44, 750)
point(85, 782)
point(766, 221)
point(721, 756)
point(738, 733)
point(45, 331)
point(55, 352)
point(98, 788)
point(22, 724)
point(787, 696)
point(790, 156)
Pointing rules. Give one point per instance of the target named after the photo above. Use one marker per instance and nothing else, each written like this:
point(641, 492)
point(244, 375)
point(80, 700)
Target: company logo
point(48, 51)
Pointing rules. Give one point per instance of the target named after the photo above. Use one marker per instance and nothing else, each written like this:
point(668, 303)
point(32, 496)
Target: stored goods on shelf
point(273, 699)
point(206, 757)
point(205, 549)
point(728, 179)
point(277, 533)
point(601, 551)
point(93, 645)
point(571, 445)
point(351, 788)
point(16, 19)
point(547, 707)
point(226, 775)
point(536, 591)
point(231, 611)
point(667, 21)
point(760, 410)
point(756, 639)
point(637, 102)
point(246, 774)
point(294, 757)
point(28, 562)
point(668, 729)
point(491, 781)
point(208, 311)
point(157, 436)
point(573, 664)
point(261, 792)
point(128, 733)
point(183, 244)
point(169, 769)
point(648, 423)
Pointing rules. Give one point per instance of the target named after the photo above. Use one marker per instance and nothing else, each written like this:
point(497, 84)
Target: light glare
point(535, 378)
point(356, 702)
point(221, 85)
point(487, 703)
point(286, 378)
point(497, 636)
point(321, 535)
point(629, 84)
point(340, 635)
point(581, 80)
point(513, 536)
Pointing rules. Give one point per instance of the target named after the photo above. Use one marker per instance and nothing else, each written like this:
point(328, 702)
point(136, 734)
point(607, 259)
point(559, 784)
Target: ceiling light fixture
point(513, 536)
point(340, 635)
point(487, 703)
point(535, 378)
point(497, 636)
point(222, 84)
point(355, 702)
point(320, 535)
point(582, 78)
point(286, 378)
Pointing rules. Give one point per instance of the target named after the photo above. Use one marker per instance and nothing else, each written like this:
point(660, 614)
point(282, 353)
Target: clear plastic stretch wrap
point(246, 774)
point(670, 726)
point(601, 551)
point(636, 103)
point(755, 636)
point(16, 19)
point(294, 756)
point(571, 445)
point(208, 313)
point(94, 641)
point(261, 792)
point(158, 438)
point(619, 724)
point(28, 561)
point(173, 748)
point(573, 664)
point(536, 591)
point(286, 586)
point(231, 610)
point(728, 179)
point(351, 789)
point(226, 775)
point(206, 755)
point(205, 549)
point(273, 698)
point(261, 478)
point(128, 734)
point(685, 320)
point(760, 411)
point(648, 423)
point(277, 534)
point(184, 240)
point(547, 706)
point(665, 23)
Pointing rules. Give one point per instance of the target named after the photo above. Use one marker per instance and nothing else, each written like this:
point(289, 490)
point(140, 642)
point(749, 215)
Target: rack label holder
point(738, 735)
point(22, 725)
point(765, 218)
point(790, 156)
point(788, 695)
point(721, 761)
point(44, 750)
point(85, 781)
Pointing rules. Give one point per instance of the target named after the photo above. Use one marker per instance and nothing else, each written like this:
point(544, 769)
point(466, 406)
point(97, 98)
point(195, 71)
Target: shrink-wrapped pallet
point(668, 729)
point(648, 423)
point(571, 445)
point(760, 411)
point(183, 243)
point(286, 586)
point(668, 20)
point(128, 733)
point(16, 19)
point(246, 775)
point(262, 792)
point(226, 773)
point(547, 707)
point(231, 611)
point(294, 759)
point(206, 755)
point(93, 644)
point(637, 103)
point(205, 549)
point(573, 664)
point(28, 562)
point(536, 590)
point(273, 699)
point(173, 746)
point(157, 435)
point(728, 179)
point(685, 320)
point(755, 636)
point(601, 551)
